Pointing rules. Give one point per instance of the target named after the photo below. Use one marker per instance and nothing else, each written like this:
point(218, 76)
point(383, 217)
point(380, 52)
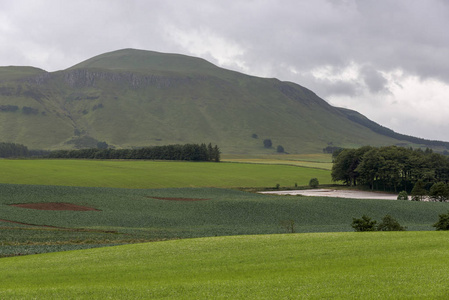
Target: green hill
point(132, 98)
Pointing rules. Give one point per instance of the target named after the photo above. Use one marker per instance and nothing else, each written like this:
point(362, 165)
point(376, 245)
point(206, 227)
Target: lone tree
point(439, 192)
point(443, 222)
point(418, 192)
point(364, 224)
point(267, 143)
point(280, 149)
point(313, 183)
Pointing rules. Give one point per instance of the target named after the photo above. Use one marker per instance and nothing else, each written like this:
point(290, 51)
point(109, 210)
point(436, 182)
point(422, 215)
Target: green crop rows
point(134, 215)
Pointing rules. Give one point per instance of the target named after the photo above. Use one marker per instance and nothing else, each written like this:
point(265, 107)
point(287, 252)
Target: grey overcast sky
point(387, 59)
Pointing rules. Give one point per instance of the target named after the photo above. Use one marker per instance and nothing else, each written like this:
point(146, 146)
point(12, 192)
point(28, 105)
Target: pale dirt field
point(336, 193)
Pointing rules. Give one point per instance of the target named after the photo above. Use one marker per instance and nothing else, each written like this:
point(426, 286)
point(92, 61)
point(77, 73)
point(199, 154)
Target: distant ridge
point(133, 98)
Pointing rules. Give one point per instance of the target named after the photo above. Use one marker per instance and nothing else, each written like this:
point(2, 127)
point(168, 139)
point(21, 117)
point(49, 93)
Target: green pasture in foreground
point(155, 174)
point(372, 265)
point(133, 215)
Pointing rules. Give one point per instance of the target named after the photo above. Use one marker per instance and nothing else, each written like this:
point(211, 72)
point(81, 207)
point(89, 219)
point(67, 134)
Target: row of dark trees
point(190, 152)
point(390, 168)
point(13, 150)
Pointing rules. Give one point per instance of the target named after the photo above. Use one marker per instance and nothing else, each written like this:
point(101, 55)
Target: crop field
point(150, 229)
point(372, 265)
point(319, 161)
point(123, 216)
point(155, 174)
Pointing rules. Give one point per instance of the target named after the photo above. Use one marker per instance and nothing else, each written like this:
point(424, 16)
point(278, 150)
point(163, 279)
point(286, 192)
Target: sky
point(387, 59)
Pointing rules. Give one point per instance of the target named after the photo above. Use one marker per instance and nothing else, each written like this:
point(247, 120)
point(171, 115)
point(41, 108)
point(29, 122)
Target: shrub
point(267, 143)
point(443, 222)
point(288, 225)
point(280, 149)
point(364, 224)
point(403, 195)
point(390, 224)
point(313, 183)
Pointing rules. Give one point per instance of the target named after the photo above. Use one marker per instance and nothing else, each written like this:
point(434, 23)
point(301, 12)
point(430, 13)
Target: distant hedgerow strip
point(190, 152)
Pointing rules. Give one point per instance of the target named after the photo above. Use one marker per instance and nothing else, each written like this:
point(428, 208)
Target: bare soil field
point(337, 193)
point(55, 206)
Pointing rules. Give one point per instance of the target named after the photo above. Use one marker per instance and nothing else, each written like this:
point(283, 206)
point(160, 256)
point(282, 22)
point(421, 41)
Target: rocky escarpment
point(89, 78)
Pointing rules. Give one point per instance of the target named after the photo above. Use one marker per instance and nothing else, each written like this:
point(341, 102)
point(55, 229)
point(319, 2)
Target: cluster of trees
point(13, 150)
point(365, 223)
point(388, 223)
point(390, 168)
point(8, 108)
point(191, 152)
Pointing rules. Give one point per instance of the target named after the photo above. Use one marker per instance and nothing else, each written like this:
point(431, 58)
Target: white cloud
point(413, 106)
point(205, 43)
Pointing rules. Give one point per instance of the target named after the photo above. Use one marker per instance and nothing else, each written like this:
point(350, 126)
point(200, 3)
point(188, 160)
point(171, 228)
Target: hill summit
point(133, 98)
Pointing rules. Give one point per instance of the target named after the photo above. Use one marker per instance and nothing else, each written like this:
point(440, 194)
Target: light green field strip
point(299, 163)
point(373, 265)
point(154, 174)
point(320, 161)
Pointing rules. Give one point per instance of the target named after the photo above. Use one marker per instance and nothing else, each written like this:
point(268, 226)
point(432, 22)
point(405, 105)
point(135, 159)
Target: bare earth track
point(55, 206)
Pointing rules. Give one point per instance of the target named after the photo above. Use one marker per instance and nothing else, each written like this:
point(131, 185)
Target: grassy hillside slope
point(133, 98)
point(388, 265)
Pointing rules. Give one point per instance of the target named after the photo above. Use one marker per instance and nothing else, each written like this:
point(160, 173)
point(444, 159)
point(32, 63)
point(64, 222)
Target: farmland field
point(137, 215)
point(319, 161)
point(373, 265)
point(155, 174)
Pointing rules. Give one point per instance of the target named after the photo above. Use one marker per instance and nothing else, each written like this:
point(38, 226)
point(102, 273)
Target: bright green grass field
point(155, 174)
point(373, 265)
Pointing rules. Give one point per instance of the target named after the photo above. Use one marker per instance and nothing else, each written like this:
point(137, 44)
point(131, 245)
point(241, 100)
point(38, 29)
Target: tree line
point(392, 168)
point(190, 152)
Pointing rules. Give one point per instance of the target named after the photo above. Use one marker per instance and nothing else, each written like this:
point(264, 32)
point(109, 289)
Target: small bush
point(288, 225)
point(267, 143)
point(364, 224)
point(403, 195)
point(390, 224)
point(314, 183)
point(443, 222)
point(280, 149)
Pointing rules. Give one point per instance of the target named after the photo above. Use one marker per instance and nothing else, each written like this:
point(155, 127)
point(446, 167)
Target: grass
point(155, 174)
point(318, 161)
point(380, 265)
point(134, 215)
